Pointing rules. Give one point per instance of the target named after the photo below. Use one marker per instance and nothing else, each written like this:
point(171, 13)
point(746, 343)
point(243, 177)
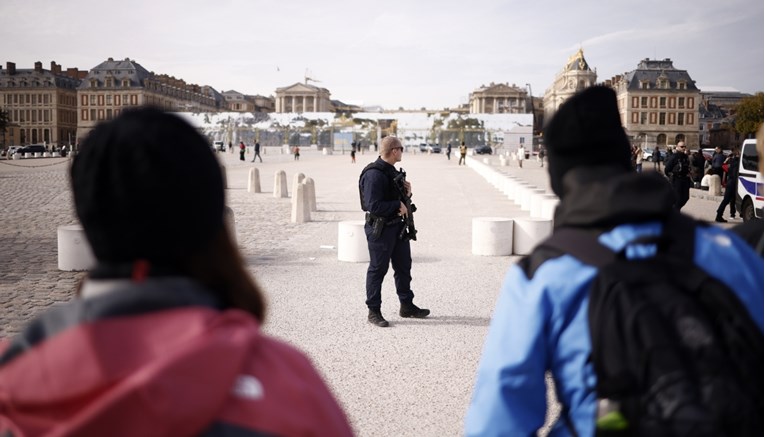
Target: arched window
point(661, 140)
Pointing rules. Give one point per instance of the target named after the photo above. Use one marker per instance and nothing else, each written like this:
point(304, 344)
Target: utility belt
point(378, 223)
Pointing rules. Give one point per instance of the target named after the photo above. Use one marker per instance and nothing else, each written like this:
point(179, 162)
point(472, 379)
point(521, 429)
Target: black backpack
point(674, 350)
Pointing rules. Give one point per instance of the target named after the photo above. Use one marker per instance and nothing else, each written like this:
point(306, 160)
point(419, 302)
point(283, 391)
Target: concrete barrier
point(298, 179)
point(253, 183)
point(715, 186)
point(310, 193)
point(352, 242)
point(544, 206)
point(74, 252)
point(528, 232)
point(492, 236)
point(301, 210)
point(528, 197)
point(280, 184)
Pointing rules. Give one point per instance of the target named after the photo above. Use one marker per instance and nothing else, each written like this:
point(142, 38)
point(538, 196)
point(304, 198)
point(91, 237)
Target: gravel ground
point(413, 378)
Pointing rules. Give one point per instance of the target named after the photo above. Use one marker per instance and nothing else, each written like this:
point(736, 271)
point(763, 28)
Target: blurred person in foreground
point(164, 336)
point(540, 322)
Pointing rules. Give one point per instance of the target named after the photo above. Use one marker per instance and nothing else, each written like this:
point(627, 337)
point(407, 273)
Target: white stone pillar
point(528, 232)
point(492, 236)
point(300, 209)
point(74, 252)
point(310, 192)
point(253, 183)
point(280, 184)
point(298, 179)
point(352, 242)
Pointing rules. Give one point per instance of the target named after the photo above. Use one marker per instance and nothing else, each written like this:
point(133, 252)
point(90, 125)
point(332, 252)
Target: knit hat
point(147, 186)
point(586, 131)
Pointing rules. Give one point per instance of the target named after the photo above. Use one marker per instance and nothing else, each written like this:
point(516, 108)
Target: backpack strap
point(582, 244)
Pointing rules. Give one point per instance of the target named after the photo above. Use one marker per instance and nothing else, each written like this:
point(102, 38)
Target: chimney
point(38, 66)
point(55, 68)
point(11, 67)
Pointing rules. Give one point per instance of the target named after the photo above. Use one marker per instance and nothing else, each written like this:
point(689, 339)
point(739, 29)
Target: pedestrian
point(164, 335)
point(697, 162)
point(521, 155)
point(230, 147)
point(541, 156)
point(384, 229)
point(677, 169)
point(296, 152)
point(656, 158)
point(717, 161)
point(257, 152)
point(242, 149)
point(449, 151)
point(353, 153)
point(540, 325)
point(463, 153)
point(638, 159)
point(731, 186)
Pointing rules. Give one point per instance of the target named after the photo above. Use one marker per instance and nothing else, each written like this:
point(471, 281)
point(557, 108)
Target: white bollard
point(486, 161)
point(310, 193)
point(352, 242)
point(492, 236)
point(544, 206)
point(74, 252)
point(300, 209)
point(298, 179)
point(253, 183)
point(528, 197)
point(229, 222)
point(520, 191)
point(528, 232)
point(502, 161)
point(280, 184)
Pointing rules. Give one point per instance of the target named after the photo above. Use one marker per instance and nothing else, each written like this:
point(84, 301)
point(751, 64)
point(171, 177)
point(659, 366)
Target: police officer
point(385, 239)
point(677, 169)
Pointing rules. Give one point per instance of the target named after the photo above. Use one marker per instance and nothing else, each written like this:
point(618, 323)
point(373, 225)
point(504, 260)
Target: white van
point(749, 192)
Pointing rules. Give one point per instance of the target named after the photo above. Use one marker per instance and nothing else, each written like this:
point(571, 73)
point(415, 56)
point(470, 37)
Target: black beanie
point(586, 131)
point(147, 186)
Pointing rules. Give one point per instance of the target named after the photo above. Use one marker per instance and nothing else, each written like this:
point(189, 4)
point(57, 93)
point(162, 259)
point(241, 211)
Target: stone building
point(500, 98)
point(658, 104)
point(303, 97)
point(113, 86)
point(575, 76)
point(41, 104)
point(238, 102)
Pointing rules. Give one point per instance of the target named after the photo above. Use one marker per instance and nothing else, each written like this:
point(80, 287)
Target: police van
point(749, 193)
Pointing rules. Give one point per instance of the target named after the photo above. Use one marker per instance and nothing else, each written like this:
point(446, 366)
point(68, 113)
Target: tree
point(749, 114)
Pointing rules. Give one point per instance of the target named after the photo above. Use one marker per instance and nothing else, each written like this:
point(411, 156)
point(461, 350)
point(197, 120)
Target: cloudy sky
point(395, 53)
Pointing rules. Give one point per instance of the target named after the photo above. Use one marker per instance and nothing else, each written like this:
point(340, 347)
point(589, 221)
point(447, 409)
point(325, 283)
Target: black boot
point(720, 219)
point(375, 317)
point(409, 309)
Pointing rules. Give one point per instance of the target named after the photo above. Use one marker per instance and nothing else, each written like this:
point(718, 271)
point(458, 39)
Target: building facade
point(575, 76)
point(500, 99)
point(114, 86)
point(658, 104)
point(238, 102)
point(41, 105)
point(303, 97)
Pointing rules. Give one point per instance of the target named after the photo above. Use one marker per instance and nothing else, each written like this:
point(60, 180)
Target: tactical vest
point(390, 190)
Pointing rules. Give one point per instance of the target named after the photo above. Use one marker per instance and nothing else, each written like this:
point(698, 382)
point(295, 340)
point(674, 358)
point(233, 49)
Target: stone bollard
point(253, 184)
point(487, 161)
point(715, 186)
point(544, 206)
point(492, 236)
point(529, 196)
point(16, 156)
point(310, 193)
point(229, 221)
point(502, 161)
point(352, 242)
point(300, 209)
point(280, 184)
point(298, 179)
point(74, 252)
point(528, 232)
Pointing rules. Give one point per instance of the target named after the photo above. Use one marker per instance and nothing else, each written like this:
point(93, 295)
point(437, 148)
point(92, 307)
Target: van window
point(749, 158)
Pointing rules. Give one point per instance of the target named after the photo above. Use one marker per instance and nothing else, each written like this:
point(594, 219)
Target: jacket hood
point(605, 196)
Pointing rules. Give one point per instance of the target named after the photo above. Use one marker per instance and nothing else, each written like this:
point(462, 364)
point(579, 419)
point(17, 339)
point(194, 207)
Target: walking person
point(164, 335)
point(677, 168)
point(463, 152)
point(242, 149)
point(638, 159)
point(731, 185)
point(257, 152)
point(656, 158)
point(521, 155)
point(353, 153)
point(542, 153)
point(542, 326)
point(384, 229)
point(449, 151)
point(296, 152)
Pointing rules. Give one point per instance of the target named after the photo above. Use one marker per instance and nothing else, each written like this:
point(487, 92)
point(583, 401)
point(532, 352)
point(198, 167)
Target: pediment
point(299, 88)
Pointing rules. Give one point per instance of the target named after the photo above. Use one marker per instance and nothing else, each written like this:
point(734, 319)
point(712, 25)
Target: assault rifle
point(408, 231)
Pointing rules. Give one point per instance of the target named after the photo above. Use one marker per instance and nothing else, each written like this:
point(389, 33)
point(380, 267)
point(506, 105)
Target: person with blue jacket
point(540, 324)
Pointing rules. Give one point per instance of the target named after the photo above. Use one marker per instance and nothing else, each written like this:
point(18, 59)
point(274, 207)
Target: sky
point(396, 54)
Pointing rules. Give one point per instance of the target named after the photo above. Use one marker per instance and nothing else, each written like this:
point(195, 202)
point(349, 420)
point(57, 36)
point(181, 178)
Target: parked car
point(484, 149)
point(749, 191)
point(218, 146)
point(12, 150)
point(32, 148)
point(423, 147)
point(648, 155)
point(434, 148)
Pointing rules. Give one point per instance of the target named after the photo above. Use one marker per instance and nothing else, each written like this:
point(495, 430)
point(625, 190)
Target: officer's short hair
point(388, 143)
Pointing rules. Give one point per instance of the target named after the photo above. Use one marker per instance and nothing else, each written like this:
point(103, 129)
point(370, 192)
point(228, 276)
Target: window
point(108, 114)
point(635, 117)
point(749, 158)
point(681, 102)
point(689, 118)
point(662, 118)
point(671, 118)
point(653, 118)
point(84, 114)
point(672, 103)
point(92, 100)
point(92, 114)
point(680, 118)
point(643, 117)
point(644, 102)
point(635, 102)
point(109, 100)
point(653, 102)
point(523, 140)
point(690, 102)
point(662, 102)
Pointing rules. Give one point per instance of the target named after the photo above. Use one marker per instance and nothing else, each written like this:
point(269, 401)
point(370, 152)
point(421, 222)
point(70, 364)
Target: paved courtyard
point(414, 378)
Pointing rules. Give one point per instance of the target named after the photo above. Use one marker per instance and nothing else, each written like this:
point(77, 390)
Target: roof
point(652, 70)
point(118, 70)
point(577, 62)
